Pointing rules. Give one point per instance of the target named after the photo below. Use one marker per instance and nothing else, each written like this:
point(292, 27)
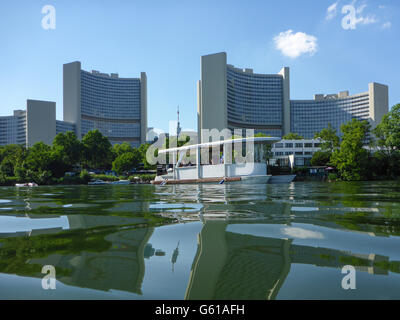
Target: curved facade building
point(116, 106)
point(254, 100)
point(311, 116)
point(234, 98)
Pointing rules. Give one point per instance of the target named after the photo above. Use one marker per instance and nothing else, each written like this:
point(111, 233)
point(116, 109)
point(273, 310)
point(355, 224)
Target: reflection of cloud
point(294, 45)
point(331, 12)
point(301, 233)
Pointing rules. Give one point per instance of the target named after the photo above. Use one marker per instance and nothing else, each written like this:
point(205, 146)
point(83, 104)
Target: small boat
point(97, 182)
point(29, 184)
point(121, 182)
point(221, 171)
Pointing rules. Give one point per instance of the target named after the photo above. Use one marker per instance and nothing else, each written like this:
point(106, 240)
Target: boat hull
point(242, 179)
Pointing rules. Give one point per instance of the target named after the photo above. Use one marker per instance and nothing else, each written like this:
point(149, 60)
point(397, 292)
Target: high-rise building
point(234, 98)
point(116, 106)
point(13, 128)
point(35, 124)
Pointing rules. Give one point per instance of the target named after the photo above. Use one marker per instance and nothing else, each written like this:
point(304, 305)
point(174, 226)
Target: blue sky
point(166, 39)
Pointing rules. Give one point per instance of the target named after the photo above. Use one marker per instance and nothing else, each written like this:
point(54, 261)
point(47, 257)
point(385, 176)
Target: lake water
point(230, 241)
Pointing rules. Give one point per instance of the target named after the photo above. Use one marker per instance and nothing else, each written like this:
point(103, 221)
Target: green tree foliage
point(97, 150)
point(143, 150)
point(119, 149)
point(321, 158)
point(127, 161)
point(69, 148)
point(351, 159)
point(329, 139)
point(388, 131)
point(292, 136)
point(42, 164)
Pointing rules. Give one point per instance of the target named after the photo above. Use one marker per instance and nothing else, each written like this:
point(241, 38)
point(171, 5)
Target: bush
point(333, 177)
point(104, 177)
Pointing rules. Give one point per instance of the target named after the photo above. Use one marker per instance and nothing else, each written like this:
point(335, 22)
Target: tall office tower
point(228, 97)
point(311, 116)
point(234, 98)
point(116, 106)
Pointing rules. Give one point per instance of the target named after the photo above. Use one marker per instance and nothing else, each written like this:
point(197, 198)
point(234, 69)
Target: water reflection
point(241, 242)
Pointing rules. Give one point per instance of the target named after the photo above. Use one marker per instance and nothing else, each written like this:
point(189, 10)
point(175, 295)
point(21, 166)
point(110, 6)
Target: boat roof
point(265, 140)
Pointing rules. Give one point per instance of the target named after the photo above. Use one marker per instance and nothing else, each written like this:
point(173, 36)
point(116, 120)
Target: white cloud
point(386, 25)
point(294, 45)
point(331, 12)
point(300, 233)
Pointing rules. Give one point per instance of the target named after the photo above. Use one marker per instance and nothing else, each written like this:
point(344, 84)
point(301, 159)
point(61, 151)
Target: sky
point(329, 45)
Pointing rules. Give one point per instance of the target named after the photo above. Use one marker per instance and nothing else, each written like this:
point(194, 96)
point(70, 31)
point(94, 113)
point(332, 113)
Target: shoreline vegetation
point(360, 154)
point(69, 161)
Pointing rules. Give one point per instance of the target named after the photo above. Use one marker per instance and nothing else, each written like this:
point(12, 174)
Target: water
point(230, 241)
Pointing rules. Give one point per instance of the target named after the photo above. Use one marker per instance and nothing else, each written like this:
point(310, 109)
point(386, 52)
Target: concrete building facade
point(234, 98)
point(116, 106)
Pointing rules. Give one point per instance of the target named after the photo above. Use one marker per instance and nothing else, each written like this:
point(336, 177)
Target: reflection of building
point(231, 265)
point(234, 98)
point(121, 267)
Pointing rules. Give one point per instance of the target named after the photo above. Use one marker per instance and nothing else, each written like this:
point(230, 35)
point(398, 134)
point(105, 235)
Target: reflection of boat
point(227, 165)
point(97, 182)
point(123, 182)
point(30, 184)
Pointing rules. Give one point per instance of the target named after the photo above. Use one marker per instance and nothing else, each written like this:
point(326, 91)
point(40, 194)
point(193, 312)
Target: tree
point(126, 161)
point(69, 148)
point(351, 159)
point(97, 150)
point(292, 136)
point(321, 158)
point(39, 163)
point(329, 139)
point(11, 156)
point(119, 149)
point(388, 131)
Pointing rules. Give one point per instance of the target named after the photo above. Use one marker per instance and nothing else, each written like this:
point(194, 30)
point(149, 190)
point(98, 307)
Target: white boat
point(29, 184)
point(121, 182)
point(97, 182)
point(219, 171)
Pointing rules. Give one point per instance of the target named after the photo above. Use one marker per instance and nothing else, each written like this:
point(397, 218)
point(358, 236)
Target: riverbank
point(82, 179)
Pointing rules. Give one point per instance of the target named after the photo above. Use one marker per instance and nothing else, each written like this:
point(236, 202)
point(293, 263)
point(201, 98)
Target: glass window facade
point(112, 105)
point(255, 101)
point(311, 116)
point(63, 126)
point(13, 129)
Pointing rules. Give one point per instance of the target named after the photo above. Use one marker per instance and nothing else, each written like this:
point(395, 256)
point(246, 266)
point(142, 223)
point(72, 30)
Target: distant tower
point(175, 256)
point(178, 128)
